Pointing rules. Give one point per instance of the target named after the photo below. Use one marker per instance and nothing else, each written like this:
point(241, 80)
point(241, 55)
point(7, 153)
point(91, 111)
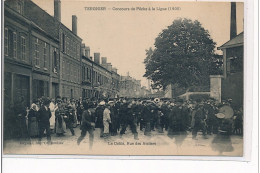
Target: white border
point(250, 83)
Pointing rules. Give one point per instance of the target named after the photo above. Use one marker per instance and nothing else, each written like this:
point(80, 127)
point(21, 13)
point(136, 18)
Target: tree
point(183, 55)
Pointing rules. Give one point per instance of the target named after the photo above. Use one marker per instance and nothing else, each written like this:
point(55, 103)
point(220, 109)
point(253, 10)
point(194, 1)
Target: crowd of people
point(113, 116)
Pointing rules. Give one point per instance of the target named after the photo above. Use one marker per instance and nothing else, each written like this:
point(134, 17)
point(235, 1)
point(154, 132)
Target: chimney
point(114, 70)
point(57, 10)
point(104, 60)
point(74, 24)
point(109, 67)
point(87, 52)
point(233, 22)
point(97, 58)
point(83, 49)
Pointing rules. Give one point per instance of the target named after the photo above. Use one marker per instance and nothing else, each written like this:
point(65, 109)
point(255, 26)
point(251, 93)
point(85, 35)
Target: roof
point(234, 42)
point(44, 20)
point(40, 17)
point(26, 20)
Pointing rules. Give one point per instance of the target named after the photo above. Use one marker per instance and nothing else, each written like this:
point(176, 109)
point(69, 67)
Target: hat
point(172, 104)
point(130, 105)
point(46, 101)
point(156, 100)
point(110, 102)
point(102, 103)
point(220, 115)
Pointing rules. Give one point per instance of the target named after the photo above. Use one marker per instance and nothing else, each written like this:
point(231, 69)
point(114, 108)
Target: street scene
point(128, 78)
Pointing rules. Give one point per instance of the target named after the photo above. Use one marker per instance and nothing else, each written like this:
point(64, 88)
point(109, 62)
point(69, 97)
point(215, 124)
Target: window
point(77, 51)
point(20, 7)
point(63, 43)
point(61, 40)
point(45, 55)
point(68, 72)
point(83, 73)
point(23, 48)
point(87, 74)
point(6, 42)
point(63, 69)
point(90, 71)
point(55, 61)
point(94, 74)
point(37, 58)
point(74, 49)
point(74, 74)
point(15, 44)
point(78, 76)
point(68, 46)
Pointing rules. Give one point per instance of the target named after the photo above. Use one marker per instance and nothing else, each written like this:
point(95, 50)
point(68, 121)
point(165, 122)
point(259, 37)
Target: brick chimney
point(57, 10)
point(87, 53)
point(233, 21)
point(97, 58)
point(109, 67)
point(103, 60)
point(74, 24)
point(114, 70)
point(83, 49)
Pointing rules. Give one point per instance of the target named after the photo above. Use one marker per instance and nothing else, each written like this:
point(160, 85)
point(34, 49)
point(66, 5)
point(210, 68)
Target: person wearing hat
point(33, 119)
point(117, 114)
point(80, 109)
point(175, 118)
point(113, 116)
point(73, 106)
point(106, 120)
point(69, 118)
point(99, 117)
point(165, 117)
point(146, 118)
point(53, 108)
point(60, 125)
point(185, 117)
point(211, 118)
point(128, 119)
point(199, 121)
point(88, 124)
point(44, 120)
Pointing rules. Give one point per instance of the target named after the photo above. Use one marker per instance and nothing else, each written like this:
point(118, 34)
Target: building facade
point(232, 80)
point(29, 55)
point(70, 57)
point(131, 88)
point(42, 57)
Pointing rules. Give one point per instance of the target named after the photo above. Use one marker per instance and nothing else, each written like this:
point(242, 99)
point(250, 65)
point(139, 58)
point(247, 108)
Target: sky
point(123, 36)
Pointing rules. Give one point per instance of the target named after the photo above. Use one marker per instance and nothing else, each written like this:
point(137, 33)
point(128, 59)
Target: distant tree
point(183, 55)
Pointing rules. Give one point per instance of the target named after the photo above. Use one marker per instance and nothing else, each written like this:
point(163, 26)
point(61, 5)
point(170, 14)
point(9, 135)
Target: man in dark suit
point(44, 120)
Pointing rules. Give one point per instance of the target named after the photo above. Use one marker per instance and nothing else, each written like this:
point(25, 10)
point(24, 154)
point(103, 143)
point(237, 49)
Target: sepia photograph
point(123, 78)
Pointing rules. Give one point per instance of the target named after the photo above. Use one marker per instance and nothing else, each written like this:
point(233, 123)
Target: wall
point(232, 87)
point(215, 87)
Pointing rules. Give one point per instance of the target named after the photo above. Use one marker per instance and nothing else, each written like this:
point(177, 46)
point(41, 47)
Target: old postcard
point(139, 78)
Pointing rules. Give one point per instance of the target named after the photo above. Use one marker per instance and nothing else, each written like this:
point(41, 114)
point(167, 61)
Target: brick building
point(130, 87)
point(29, 54)
point(44, 58)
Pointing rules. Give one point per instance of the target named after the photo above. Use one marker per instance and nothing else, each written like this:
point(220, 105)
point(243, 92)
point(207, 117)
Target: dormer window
point(20, 7)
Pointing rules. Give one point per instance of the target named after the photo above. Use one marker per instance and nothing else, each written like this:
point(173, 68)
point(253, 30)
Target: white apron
point(52, 119)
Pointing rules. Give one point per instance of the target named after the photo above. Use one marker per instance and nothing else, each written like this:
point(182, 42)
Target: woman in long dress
point(106, 120)
point(60, 123)
point(33, 120)
point(53, 108)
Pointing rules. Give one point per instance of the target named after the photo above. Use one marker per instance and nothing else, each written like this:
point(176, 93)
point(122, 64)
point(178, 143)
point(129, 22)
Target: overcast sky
point(123, 36)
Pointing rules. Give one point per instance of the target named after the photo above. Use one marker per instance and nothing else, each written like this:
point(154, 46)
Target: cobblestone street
point(156, 144)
